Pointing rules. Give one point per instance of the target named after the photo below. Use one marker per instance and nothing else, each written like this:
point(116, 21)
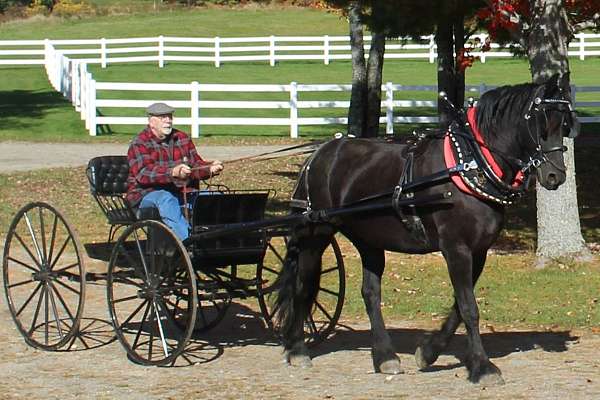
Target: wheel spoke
point(326, 271)
point(46, 314)
point(29, 299)
point(75, 264)
point(29, 267)
point(55, 312)
point(33, 238)
point(128, 298)
point(160, 330)
point(12, 285)
point(37, 262)
point(67, 287)
point(62, 301)
point(141, 253)
point(323, 310)
point(134, 313)
point(43, 232)
point(37, 308)
point(53, 237)
point(63, 247)
point(329, 291)
point(139, 332)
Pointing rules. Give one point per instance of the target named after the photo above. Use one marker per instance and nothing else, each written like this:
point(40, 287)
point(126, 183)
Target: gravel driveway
point(25, 156)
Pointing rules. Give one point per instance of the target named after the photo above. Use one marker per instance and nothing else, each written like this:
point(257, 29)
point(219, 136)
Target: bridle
point(540, 106)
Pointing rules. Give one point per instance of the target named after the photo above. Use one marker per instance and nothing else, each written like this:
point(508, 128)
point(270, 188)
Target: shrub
point(72, 8)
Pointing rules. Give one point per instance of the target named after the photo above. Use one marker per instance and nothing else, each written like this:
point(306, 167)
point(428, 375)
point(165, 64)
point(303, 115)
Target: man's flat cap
point(159, 109)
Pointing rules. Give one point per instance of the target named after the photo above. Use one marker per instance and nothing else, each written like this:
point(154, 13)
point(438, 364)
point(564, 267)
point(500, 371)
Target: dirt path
point(25, 156)
point(240, 360)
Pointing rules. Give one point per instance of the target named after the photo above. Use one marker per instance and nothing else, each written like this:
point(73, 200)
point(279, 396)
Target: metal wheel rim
point(148, 288)
point(54, 260)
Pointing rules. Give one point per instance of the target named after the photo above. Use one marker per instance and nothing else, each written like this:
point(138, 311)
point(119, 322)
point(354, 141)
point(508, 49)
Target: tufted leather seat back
point(108, 175)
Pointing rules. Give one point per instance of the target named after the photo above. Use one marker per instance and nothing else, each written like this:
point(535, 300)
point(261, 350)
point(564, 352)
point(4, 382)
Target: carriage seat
point(107, 176)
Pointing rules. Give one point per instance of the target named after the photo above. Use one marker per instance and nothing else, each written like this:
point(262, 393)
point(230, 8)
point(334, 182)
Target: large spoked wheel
point(151, 292)
point(44, 276)
point(328, 306)
point(213, 301)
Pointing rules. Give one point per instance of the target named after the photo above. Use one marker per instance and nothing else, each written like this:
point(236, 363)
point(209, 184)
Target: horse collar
point(474, 169)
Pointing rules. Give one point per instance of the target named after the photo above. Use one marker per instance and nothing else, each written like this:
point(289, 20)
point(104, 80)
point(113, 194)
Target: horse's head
point(550, 118)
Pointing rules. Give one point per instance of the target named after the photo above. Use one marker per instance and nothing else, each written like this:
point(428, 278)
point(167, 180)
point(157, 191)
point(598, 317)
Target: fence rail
point(70, 76)
point(218, 50)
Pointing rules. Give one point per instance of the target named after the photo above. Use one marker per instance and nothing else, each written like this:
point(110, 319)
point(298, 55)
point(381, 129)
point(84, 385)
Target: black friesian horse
point(521, 130)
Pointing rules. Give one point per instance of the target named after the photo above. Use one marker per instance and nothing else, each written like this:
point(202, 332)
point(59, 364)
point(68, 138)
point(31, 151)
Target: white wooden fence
point(218, 50)
point(71, 77)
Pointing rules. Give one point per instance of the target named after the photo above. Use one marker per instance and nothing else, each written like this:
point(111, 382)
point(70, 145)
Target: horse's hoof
point(420, 358)
point(493, 379)
point(299, 360)
point(487, 375)
point(390, 367)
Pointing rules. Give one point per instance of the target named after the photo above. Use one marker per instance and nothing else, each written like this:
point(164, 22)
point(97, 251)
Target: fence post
point(217, 52)
point(294, 110)
point(574, 96)
point(482, 39)
point(272, 51)
point(161, 51)
point(326, 49)
point(194, 110)
point(582, 46)
point(103, 52)
point(75, 85)
point(92, 106)
point(389, 109)
point(83, 91)
point(431, 49)
point(482, 88)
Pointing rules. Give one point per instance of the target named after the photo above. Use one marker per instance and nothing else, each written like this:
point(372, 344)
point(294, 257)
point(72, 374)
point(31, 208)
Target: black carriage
point(160, 291)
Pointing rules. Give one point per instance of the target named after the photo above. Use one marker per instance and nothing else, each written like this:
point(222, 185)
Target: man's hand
point(216, 167)
point(181, 171)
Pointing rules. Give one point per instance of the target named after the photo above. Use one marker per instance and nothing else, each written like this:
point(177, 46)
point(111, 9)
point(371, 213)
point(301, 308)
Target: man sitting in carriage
point(163, 162)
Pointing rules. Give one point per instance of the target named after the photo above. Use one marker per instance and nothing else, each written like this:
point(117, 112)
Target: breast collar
point(481, 175)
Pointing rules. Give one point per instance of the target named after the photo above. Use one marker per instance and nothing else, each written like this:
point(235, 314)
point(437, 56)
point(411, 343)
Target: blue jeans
point(169, 208)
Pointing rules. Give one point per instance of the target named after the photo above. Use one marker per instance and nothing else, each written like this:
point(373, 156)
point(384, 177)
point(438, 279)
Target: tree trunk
point(358, 96)
point(374, 78)
point(559, 231)
point(449, 39)
point(445, 70)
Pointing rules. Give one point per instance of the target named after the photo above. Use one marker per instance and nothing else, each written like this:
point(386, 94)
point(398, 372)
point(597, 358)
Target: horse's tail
point(288, 287)
point(297, 286)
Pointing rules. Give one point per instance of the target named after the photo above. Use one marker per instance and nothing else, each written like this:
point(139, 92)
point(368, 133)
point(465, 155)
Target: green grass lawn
point(31, 110)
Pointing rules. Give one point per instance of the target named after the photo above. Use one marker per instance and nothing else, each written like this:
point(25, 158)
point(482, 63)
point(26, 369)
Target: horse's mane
point(499, 107)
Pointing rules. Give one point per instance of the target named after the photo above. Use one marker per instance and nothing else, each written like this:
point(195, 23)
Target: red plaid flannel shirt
point(151, 162)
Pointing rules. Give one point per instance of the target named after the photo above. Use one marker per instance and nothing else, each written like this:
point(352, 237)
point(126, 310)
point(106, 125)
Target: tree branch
point(521, 26)
point(593, 22)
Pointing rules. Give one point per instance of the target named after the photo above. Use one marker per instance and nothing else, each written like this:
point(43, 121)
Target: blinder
point(569, 121)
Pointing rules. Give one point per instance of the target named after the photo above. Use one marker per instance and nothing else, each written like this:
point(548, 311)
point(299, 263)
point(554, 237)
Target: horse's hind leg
point(382, 351)
point(460, 267)
point(431, 348)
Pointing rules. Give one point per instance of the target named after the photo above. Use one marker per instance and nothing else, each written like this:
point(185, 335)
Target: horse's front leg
point(460, 267)
point(431, 348)
point(382, 351)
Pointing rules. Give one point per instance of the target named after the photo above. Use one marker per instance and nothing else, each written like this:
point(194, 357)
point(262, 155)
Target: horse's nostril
point(552, 179)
